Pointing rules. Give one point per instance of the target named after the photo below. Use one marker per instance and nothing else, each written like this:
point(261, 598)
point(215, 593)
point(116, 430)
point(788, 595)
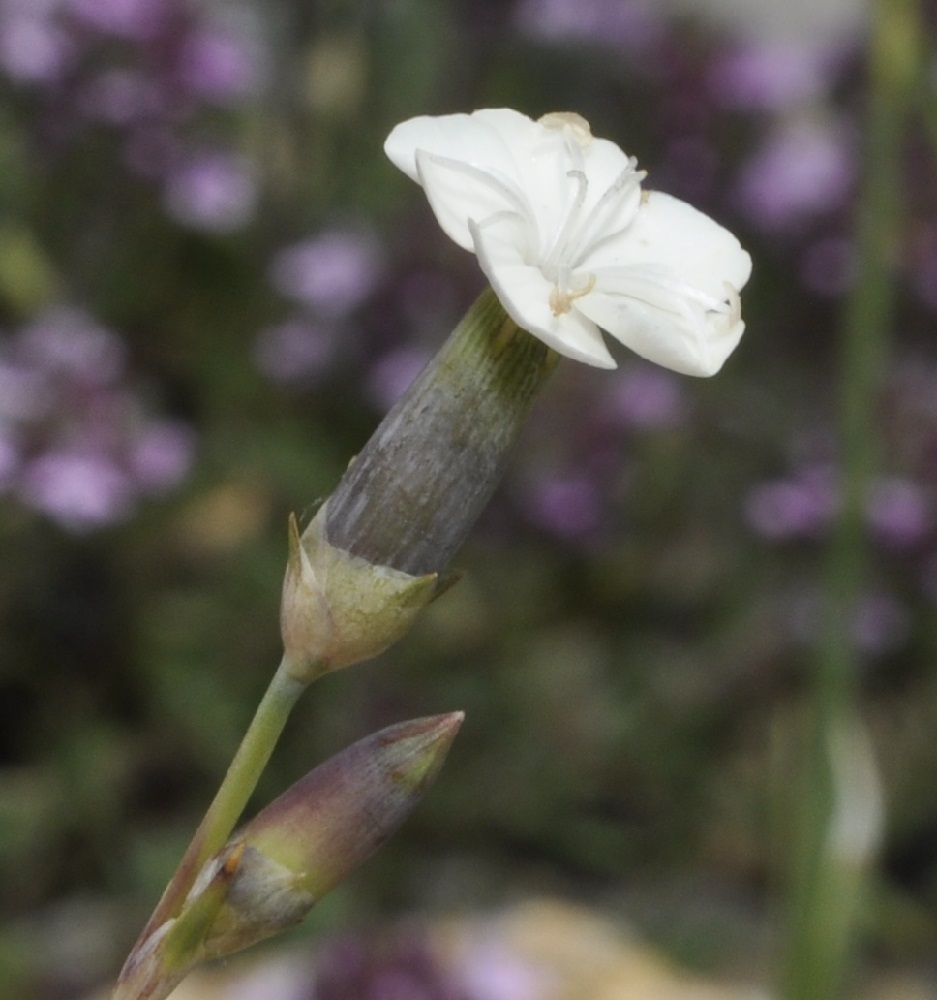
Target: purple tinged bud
point(331, 821)
point(319, 831)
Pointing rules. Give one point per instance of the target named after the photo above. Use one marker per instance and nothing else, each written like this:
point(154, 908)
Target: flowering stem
point(828, 882)
point(232, 796)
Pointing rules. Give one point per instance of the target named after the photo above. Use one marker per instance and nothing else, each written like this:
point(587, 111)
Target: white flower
point(570, 242)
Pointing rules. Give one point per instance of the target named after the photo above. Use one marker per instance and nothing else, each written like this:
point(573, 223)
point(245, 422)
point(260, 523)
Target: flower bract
point(571, 243)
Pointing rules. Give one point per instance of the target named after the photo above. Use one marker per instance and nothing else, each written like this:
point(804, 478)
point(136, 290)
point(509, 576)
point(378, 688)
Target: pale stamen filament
point(557, 252)
point(561, 299)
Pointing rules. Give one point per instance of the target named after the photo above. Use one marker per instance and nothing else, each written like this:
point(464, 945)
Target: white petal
point(460, 193)
point(645, 313)
point(525, 294)
point(483, 139)
point(668, 231)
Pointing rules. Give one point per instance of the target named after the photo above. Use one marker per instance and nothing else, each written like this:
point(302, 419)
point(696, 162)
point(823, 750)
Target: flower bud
point(337, 608)
point(321, 829)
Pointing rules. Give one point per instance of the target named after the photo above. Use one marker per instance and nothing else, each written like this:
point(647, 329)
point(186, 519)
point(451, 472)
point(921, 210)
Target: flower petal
point(460, 193)
point(666, 230)
point(526, 294)
point(648, 311)
point(483, 139)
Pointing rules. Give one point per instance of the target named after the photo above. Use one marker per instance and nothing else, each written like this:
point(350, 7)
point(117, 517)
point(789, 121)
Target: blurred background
point(212, 286)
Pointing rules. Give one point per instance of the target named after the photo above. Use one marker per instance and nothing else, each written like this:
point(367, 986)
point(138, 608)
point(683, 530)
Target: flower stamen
point(562, 301)
point(557, 253)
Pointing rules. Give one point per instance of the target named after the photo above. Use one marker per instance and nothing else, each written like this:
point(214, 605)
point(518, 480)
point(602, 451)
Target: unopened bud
point(337, 608)
point(321, 829)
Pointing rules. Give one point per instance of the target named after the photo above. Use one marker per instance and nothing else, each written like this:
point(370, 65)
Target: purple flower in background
point(75, 442)
point(293, 352)
point(898, 513)
point(569, 507)
point(802, 170)
point(391, 968)
point(24, 392)
point(80, 491)
point(333, 272)
point(161, 455)
point(215, 65)
point(489, 970)
point(629, 24)
point(645, 397)
point(211, 191)
point(137, 20)
point(765, 76)
point(68, 343)
point(33, 48)
point(798, 508)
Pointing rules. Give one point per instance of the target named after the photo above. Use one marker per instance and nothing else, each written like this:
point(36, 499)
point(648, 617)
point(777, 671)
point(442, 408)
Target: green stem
point(828, 889)
point(232, 796)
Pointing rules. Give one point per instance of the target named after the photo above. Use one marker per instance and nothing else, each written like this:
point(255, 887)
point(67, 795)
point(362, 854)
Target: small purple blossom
point(68, 343)
point(33, 48)
point(769, 76)
point(216, 65)
point(332, 273)
point(645, 397)
point(211, 191)
point(75, 444)
point(898, 513)
point(489, 970)
point(569, 507)
point(137, 20)
point(388, 968)
point(802, 170)
point(293, 352)
point(24, 391)
point(798, 508)
point(81, 491)
point(161, 455)
point(634, 25)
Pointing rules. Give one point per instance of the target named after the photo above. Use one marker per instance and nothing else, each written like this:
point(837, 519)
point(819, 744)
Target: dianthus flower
point(571, 243)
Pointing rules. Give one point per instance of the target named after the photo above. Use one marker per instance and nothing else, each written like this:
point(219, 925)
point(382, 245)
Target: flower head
point(572, 245)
